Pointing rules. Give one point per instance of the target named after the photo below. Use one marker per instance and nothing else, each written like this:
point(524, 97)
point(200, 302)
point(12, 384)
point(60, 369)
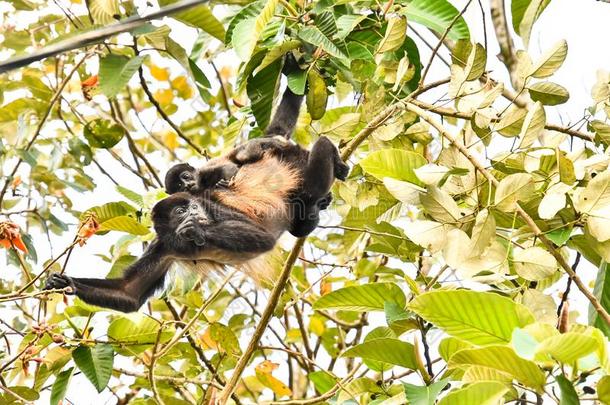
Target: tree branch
point(95, 36)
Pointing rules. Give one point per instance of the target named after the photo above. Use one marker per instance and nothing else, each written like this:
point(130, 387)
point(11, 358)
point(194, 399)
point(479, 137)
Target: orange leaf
point(10, 236)
point(16, 182)
point(88, 86)
point(89, 226)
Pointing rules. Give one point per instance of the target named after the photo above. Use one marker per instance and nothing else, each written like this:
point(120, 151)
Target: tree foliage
point(435, 279)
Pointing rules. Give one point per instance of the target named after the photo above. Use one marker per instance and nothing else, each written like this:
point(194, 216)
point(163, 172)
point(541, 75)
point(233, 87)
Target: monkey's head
point(181, 177)
point(180, 220)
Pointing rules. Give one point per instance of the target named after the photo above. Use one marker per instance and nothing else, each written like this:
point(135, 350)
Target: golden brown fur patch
point(260, 189)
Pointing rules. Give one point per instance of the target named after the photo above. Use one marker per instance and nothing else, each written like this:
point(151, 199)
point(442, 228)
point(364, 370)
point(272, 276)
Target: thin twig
point(440, 42)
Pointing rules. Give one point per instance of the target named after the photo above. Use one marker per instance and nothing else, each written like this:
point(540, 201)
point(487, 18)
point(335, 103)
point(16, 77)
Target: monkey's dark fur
point(228, 212)
point(188, 228)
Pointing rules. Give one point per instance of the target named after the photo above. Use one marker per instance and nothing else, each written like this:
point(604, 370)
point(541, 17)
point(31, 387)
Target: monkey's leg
point(126, 294)
point(305, 217)
point(323, 166)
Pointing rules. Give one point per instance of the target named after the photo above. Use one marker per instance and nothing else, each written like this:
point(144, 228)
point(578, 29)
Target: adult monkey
point(315, 169)
point(230, 225)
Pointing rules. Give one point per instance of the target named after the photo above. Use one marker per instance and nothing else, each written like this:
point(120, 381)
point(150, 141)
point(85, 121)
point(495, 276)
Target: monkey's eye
point(180, 210)
point(186, 176)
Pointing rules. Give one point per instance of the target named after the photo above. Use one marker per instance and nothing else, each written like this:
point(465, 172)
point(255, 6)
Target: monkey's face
point(181, 177)
point(181, 218)
point(189, 220)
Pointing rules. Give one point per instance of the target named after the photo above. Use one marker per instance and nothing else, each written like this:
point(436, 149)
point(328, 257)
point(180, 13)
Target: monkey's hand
point(58, 281)
point(193, 234)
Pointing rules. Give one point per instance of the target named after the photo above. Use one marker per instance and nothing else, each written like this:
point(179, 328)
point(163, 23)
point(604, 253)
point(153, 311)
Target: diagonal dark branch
point(95, 36)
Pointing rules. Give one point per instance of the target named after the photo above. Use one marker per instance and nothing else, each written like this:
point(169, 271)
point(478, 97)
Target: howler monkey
point(197, 232)
point(267, 186)
point(315, 169)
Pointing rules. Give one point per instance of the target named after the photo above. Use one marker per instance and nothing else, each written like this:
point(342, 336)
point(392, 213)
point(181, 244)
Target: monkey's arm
point(209, 177)
point(127, 293)
point(240, 236)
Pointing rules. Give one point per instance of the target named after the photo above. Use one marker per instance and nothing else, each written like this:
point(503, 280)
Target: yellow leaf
point(170, 139)
point(205, 339)
point(183, 87)
point(164, 97)
point(159, 73)
point(263, 373)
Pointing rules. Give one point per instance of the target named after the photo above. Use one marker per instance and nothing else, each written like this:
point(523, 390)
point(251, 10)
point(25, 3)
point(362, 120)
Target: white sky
point(585, 24)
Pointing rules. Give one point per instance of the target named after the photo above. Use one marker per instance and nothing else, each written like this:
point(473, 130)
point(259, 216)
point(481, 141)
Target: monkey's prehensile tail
point(286, 115)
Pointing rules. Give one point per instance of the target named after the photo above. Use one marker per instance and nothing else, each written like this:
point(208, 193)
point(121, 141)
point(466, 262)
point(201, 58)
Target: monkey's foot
point(58, 281)
point(341, 170)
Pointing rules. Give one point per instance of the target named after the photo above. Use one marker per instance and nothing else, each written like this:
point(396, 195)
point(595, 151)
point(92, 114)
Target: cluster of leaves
point(419, 203)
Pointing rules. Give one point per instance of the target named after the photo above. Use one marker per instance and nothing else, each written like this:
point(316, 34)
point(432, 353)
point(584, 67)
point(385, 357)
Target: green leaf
point(385, 350)
point(247, 12)
point(551, 60)
point(566, 348)
point(346, 24)
point(476, 317)
point(60, 386)
point(101, 133)
point(395, 163)
point(260, 89)
point(131, 195)
point(362, 298)
point(316, 37)
point(603, 389)
point(247, 32)
point(124, 224)
point(111, 210)
point(95, 363)
point(568, 393)
point(115, 72)
point(437, 15)
point(199, 17)
point(480, 393)
point(548, 93)
point(358, 387)
point(277, 52)
point(297, 81)
point(317, 96)
point(602, 291)
point(426, 395)
point(322, 380)
point(526, 16)
point(137, 329)
point(395, 35)
point(504, 359)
